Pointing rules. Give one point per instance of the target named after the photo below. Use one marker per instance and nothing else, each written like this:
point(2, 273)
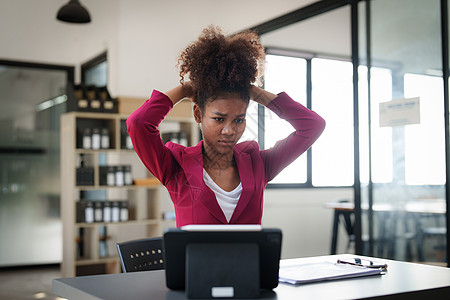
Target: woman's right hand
point(180, 92)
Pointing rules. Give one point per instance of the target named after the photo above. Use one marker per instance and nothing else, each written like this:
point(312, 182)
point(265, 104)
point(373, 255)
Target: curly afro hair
point(217, 64)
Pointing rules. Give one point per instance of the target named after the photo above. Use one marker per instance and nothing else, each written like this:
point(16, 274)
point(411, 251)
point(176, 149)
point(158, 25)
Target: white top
point(227, 200)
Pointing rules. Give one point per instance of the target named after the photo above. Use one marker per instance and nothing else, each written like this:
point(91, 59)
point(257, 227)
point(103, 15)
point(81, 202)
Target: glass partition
point(406, 186)
point(32, 99)
point(401, 122)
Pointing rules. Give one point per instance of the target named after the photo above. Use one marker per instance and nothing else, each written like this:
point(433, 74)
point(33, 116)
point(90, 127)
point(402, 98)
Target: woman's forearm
point(261, 96)
point(180, 92)
point(176, 94)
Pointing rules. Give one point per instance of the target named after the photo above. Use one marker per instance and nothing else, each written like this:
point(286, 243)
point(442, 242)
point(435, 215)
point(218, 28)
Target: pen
point(371, 265)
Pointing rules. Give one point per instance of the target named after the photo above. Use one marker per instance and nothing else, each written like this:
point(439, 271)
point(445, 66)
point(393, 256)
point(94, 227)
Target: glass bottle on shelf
point(119, 176)
point(124, 211)
point(98, 211)
point(105, 138)
point(107, 212)
point(89, 212)
point(115, 211)
point(87, 138)
point(111, 176)
point(96, 139)
point(127, 175)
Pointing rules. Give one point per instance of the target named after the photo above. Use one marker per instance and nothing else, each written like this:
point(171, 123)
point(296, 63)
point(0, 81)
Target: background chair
point(431, 226)
point(141, 255)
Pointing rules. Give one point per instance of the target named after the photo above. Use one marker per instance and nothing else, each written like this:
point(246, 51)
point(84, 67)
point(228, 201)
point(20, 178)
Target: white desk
point(403, 280)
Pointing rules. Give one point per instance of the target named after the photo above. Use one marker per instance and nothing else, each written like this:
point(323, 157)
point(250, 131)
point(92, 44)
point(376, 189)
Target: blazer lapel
point(194, 163)
point(245, 168)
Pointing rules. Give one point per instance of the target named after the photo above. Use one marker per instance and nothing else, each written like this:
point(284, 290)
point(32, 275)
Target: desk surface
point(414, 281)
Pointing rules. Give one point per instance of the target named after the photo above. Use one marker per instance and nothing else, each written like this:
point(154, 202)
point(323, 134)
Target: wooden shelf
point(144, 199)
point(132, 222)
point(91, 151)
point(113, 187)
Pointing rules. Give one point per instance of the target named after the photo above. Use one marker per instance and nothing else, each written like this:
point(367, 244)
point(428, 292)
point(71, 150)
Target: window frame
point(308, 56)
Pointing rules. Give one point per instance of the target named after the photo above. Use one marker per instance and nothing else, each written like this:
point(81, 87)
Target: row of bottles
point(91, 99)
point(96, 138)
point(89, 211)
point(100, 138)
point(111, 175)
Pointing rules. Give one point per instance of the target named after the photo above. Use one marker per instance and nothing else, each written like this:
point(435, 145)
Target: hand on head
point(188, 90)
point(261, 96)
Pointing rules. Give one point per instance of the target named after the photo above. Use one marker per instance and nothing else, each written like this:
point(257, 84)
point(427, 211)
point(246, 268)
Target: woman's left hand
point(261, 96)
point(188, 90)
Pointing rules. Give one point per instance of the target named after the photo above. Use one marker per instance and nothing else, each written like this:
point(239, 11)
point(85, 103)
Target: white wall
point(153, 33)
point(143, 39)
point(305, 222)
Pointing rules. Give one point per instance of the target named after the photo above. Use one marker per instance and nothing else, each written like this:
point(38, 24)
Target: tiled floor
point(26, 283)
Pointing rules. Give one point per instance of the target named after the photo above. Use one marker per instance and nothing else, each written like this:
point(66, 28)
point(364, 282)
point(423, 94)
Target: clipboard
point(323, 271)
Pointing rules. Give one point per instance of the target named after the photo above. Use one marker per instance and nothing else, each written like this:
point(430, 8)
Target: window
point(332, 98)
point(332, 159)
point(424, 142)
point(288, 74)
point(95, 71)
point(97, 75)
point(382, 160)
point(332, 156)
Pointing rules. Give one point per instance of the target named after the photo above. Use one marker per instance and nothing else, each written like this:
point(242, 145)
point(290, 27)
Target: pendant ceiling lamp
point(73, 12)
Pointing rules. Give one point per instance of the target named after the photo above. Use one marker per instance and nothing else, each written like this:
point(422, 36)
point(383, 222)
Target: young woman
point(220, 181)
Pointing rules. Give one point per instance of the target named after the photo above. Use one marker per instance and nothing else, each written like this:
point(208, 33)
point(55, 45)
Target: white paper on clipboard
point(400, 112)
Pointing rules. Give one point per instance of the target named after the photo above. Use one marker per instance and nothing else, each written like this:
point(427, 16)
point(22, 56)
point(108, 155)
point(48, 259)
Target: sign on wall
point(400, 112)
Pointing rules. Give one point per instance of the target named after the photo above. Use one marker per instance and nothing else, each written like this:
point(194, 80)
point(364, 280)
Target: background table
point(390, 219)
point(413, 281)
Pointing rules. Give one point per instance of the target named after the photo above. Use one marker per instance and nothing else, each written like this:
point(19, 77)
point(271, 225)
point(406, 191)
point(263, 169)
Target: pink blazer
point(180, 169)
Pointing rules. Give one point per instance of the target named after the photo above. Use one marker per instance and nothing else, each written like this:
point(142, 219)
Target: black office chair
point(141, 255)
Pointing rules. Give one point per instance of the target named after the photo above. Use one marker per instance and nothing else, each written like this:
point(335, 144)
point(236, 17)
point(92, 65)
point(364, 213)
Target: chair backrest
point(141, 255)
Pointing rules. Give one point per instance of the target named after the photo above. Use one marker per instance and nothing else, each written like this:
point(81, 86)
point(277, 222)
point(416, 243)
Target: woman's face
point(222, 123)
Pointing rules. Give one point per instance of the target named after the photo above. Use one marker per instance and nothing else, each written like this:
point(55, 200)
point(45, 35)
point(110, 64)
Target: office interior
point(395, 176)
